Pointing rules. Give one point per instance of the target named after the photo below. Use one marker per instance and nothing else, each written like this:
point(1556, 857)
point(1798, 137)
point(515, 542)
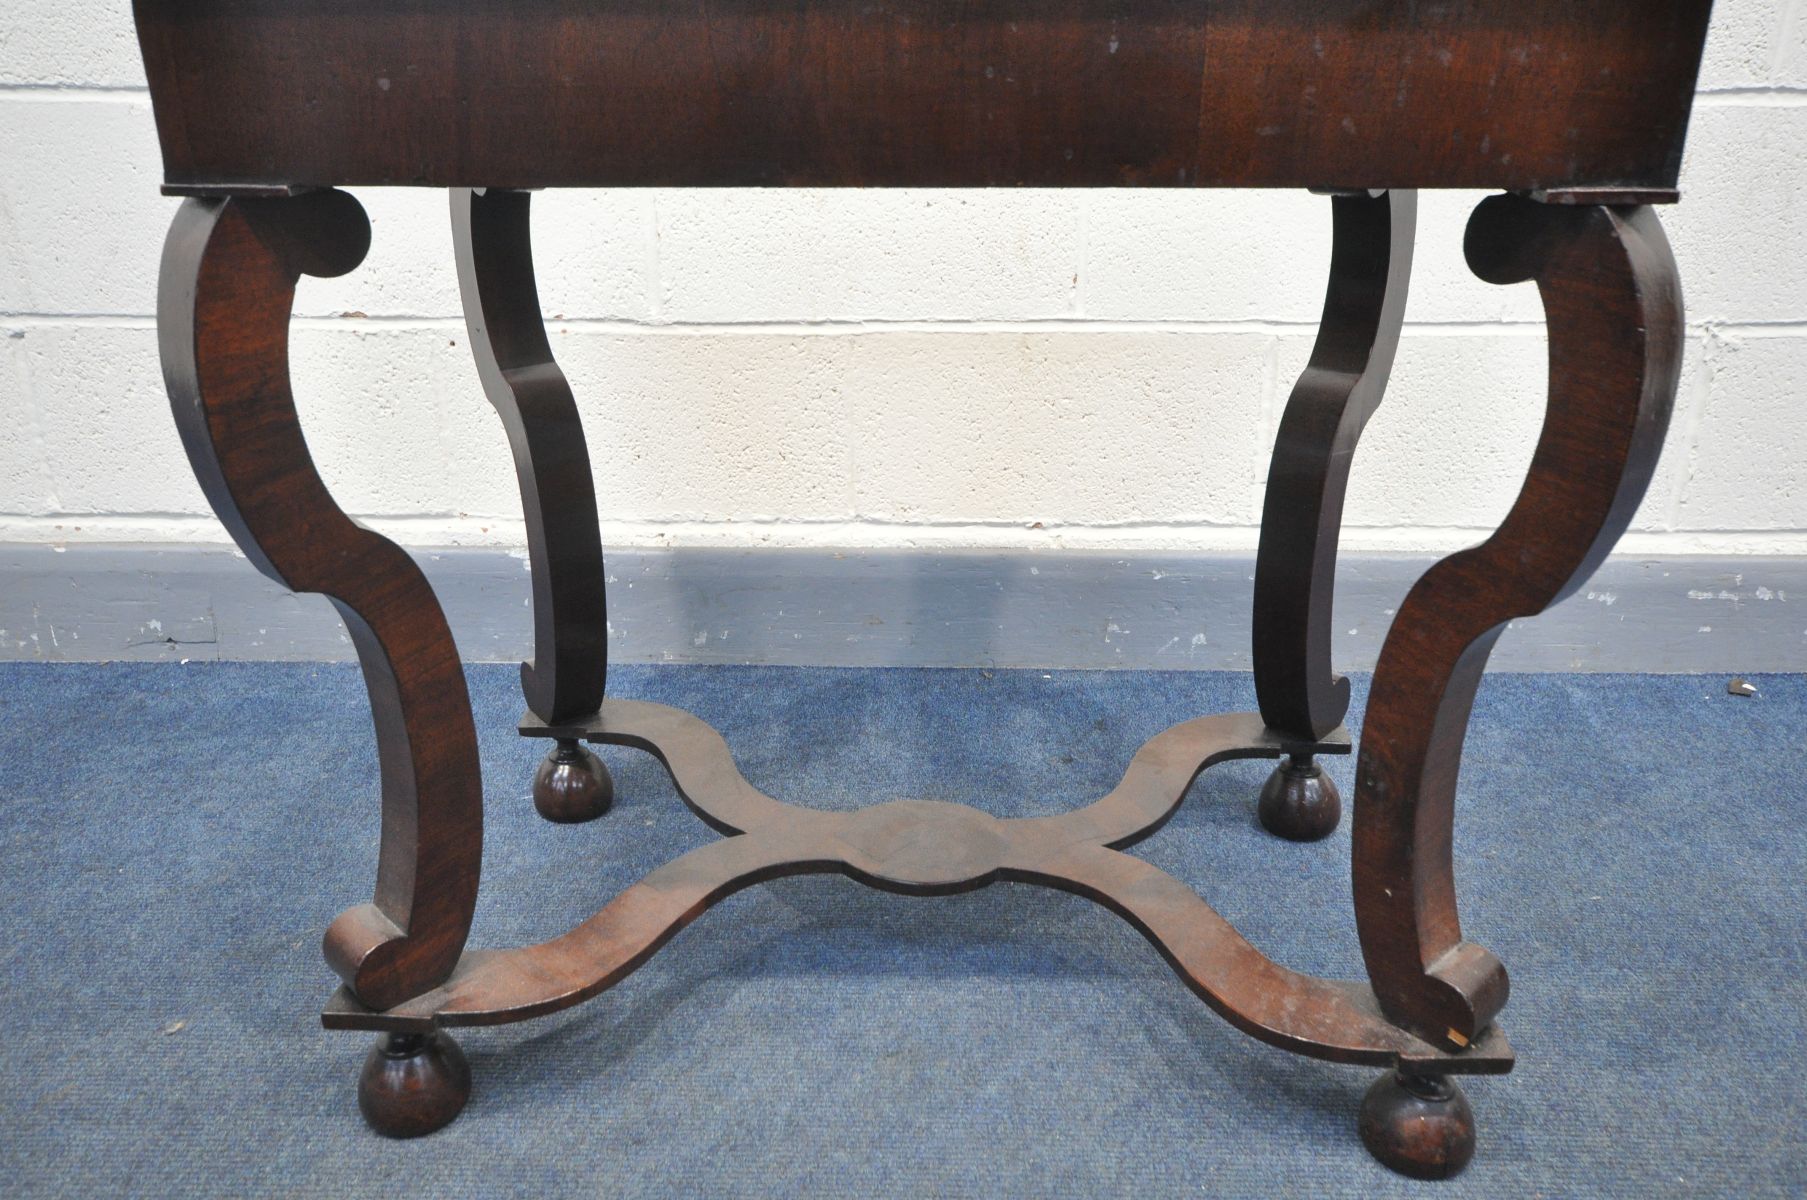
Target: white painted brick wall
point(881, 368)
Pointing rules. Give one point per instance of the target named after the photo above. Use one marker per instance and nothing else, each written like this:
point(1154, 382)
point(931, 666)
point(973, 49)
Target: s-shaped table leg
point(1612, 302)
point(564, 681)
point(1295, 570)
point(224, 296)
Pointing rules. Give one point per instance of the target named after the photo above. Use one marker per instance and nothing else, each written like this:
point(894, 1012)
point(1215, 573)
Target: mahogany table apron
point(1577, 113)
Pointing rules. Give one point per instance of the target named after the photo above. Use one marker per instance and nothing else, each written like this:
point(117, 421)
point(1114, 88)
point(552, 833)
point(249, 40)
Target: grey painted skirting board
point(890, 607)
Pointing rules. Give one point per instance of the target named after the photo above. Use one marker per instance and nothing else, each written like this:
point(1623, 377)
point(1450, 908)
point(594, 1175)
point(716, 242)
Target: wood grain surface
point(1511, 94)
point(1613, 304)
point(494, 248)
point(1302, 518)
point(227, 287)
point(930, 848)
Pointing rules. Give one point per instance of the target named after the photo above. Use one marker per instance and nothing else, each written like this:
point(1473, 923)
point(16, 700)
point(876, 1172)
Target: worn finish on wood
point(413, 1084)
point(1516, 94)
point(228, 282)
point(1613, 304)
point(494, 247)
point(1419, 1125)
point(1342, 386)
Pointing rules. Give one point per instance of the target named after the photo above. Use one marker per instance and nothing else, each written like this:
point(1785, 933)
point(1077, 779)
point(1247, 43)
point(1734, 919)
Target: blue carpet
point(174, 839)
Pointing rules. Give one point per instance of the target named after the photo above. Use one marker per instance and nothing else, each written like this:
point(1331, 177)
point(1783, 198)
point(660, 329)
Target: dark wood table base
point(1427, 1012)
point(1577, 113)
point(910, 847)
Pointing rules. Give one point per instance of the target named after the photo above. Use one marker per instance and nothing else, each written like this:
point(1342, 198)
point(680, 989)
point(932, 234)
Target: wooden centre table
point(1576, 113)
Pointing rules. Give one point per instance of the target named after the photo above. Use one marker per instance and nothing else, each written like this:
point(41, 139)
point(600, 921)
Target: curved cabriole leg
point(1613, 307)
point(1295, 570)
point(565, 679)
point(228, 283)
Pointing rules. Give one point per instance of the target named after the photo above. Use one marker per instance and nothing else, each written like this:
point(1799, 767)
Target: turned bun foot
point(1299, 802)
point(572, 785)
point(413, 1084)
point(1419, 1125)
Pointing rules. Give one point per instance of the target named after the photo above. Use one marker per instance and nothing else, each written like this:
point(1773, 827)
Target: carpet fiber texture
point(173, 839)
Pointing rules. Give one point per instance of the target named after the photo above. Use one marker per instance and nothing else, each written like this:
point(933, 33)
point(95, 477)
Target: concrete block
point(1205, 255)
point(1444, 290)
point(716, 427)
point(81, 222)
point(1450, 444)
point(1744, 44)
point(80, 194)
point(69, 43)
point(1746, 468)
point(593, 252)
point(1740, 233)
point(907, 254)
point(1791, 61)
point(367, 398)
point(860, 431)
point(25, 487)
point(98, 402)
point(1060, 428)
point(368, 395)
